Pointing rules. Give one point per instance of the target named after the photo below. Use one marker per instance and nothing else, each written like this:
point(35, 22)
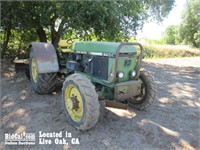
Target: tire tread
point(151, 96)
point(91, 100)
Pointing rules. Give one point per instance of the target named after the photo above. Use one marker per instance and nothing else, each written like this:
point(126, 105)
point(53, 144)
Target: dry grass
point(170, 51)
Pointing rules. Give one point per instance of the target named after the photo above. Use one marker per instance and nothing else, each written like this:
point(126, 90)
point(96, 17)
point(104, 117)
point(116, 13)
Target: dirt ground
point(172, 122)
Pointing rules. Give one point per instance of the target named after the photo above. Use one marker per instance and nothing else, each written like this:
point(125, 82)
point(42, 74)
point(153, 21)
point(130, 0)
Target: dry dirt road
point(172, 122)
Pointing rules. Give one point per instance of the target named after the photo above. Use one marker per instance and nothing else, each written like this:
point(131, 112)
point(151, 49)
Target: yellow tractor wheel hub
point(34, 70)
point(73, 102)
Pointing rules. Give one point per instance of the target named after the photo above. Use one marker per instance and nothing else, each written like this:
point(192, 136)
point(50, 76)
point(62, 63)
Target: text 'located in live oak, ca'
point(57, 138)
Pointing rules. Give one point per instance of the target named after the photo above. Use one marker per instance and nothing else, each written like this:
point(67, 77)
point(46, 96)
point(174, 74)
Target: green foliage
point(19, 43)
point(159, 9)
point(170, 36)
point(89, 20)
point(152, 41)
point(189, 30)
point(169, 51)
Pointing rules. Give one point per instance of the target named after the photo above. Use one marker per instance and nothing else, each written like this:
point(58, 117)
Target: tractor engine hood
point(105, 48)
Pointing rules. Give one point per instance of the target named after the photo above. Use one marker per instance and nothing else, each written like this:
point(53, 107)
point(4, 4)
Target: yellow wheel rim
point(73, 102)
point(34, 70)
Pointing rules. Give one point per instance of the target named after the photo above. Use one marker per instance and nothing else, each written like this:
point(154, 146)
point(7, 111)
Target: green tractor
point(93, 71)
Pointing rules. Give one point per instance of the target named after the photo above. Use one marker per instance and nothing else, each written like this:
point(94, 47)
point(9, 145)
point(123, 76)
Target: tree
point(170, 35)
point(8, 22)
point(189, 31)
point(105, 20)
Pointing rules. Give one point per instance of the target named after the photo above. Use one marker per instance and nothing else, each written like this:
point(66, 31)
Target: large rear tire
point(148, 92)
point(80, 102)
point(42, 83)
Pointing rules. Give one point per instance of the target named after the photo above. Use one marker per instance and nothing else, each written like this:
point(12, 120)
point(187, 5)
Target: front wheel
point(80, 102)
point(148, 92)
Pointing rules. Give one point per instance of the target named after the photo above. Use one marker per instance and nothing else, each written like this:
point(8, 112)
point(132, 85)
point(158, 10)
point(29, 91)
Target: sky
point(152, 30)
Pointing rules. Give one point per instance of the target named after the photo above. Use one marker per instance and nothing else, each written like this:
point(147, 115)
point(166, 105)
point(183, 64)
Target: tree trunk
point(41, 33)
point(55, 38)
point(55, 35)
point(7, 38)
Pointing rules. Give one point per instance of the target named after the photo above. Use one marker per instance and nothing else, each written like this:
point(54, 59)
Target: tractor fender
point(46, 57)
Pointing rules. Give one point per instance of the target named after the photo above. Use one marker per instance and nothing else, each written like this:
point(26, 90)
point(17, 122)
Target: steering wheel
point(70, 41)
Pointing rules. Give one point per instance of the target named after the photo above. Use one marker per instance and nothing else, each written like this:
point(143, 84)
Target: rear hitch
point(22, 66)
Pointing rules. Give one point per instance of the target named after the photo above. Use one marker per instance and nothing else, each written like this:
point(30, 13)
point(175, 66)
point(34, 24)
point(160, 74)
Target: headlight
point(133, 73)
point(120, 74)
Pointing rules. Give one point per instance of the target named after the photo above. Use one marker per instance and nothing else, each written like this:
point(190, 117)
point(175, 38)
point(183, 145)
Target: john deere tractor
point(93, 71)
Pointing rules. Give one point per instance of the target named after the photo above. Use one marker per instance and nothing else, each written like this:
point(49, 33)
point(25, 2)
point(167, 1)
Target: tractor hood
point(101, 47)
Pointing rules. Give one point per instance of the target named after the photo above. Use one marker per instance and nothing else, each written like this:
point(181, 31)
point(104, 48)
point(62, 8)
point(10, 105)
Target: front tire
point(148, 92)
point(80, 102)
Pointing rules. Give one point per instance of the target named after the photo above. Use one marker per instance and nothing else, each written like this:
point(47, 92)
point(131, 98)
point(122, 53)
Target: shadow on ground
point(172, 122)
